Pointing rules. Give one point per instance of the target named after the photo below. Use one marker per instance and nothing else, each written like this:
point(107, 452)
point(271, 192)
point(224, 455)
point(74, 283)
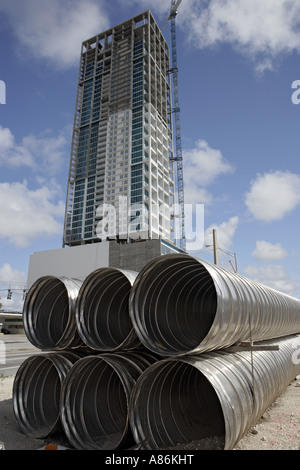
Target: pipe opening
point(47, 313)
point(36, 397)
point(102, 314)
point(173, 307)
point(176, 405)
point(106, 419)
point(94, 406)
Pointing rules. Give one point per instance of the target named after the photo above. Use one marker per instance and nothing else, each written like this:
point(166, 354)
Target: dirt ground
point(278, 428)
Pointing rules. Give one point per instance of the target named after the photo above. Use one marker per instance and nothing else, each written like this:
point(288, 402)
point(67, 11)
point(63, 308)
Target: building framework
point(121, 175)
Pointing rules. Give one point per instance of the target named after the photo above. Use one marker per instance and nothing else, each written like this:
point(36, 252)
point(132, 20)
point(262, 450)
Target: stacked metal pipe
point(184, 309)
point(36, 392)
point(77, 323)
point(156, 369)
point(95, 399)
point(49, 313)
point(182, 305)
point(49, 324)
point(102, 310)
point(211, 399)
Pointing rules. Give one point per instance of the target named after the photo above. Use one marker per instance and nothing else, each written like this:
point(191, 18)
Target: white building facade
point(121, 175)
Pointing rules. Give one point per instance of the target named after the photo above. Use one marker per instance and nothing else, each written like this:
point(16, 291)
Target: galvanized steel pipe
point(49, 313)
point(212, 399)
point(102, 314)
point(95, 399)
point(36, 392)
point(183, 305)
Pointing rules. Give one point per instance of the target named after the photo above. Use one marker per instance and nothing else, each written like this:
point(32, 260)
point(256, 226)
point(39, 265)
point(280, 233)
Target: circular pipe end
point(49, 313)
point(102, 314)
point(179, 397)
point(173, 304)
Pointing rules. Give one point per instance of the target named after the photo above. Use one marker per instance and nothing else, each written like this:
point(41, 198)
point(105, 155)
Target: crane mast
point(176, 110)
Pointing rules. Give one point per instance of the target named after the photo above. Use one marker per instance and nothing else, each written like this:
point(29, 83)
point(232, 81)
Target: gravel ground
point(278, 428)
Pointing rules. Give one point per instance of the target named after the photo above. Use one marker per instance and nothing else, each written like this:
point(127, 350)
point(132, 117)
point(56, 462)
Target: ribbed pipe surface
point(36, 392)
point(182, 305)
point(95, 399)
point(49, 313)
point(211, 399)
point(102, 314)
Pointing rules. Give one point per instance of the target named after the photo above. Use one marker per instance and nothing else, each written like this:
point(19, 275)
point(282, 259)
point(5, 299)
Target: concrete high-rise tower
point(121, 175)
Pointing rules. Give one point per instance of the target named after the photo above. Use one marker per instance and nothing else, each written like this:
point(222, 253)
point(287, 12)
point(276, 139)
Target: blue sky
point(240, 129)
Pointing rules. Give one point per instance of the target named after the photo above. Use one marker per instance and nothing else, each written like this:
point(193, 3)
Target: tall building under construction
point(121, 175)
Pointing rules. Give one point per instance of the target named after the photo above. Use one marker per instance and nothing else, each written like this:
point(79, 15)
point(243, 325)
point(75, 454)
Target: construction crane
point(176, 110)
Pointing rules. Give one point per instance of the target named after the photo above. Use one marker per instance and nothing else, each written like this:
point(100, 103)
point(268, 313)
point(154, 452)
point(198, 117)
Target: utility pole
point(216, 248)
point(215, 245)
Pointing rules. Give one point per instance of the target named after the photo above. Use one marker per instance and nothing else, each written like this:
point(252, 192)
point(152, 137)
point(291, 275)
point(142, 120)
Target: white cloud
point(16, 280)
point(225, 233)
point(54, 30)
point(10, 276)
point(202, 166)
point(273, 195)
point(274, 276)
point(7, 141)
point(205, 163)
point(196, 195)
point(266, 251)
point(45, 153)
point(262, 30)
point(27, 214)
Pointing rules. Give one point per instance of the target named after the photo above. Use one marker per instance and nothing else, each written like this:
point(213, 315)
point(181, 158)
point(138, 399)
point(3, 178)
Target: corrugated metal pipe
point(49, 313)
point(95, 399)
point(102, 314)
point(210, 400)
point(36, 392)
point(183, 305)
